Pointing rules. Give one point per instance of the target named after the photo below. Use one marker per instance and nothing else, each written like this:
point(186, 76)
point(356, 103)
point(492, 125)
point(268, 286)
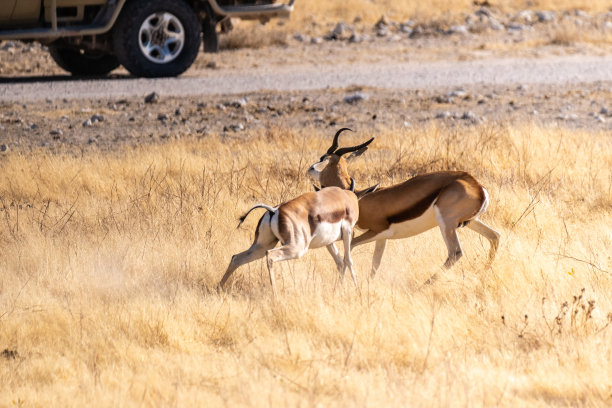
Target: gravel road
point(393, 75)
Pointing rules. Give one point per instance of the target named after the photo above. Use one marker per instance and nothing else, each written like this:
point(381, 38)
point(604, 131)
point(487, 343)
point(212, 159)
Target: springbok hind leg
point(449, 232)
point(256, 251)
point(283, 253)
point(487, 232)
point(333, 251)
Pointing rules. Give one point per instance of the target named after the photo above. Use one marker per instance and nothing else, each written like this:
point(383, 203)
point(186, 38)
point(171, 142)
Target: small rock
point(515, 27)
point(97, 118)
point(3, 148)
point(605, 111)
point(339, 31)
point(383, 22)
point(179, 111)
point(211, 65)
point(87, 123)
point(355, 39)
point(483, 11)
point(458, 29)
point(56, 134)
point(239, 103)
point(299, 37)
point(458, 93)
point(406, 29)
point(581, 14)
point(525, 16)
point(33, 126)
point(234, 128)
point(471, 116)
point(600, 119)
point(316, 40)
point(8, 45)
point(495, 25)
point(443, 115)
point(545, 16)
point(356, 98)
point(382, 32)
point(162, 116)
point(152, 98)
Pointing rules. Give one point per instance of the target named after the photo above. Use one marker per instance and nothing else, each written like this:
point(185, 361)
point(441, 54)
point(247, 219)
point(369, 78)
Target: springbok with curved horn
point(447, 199)
point(311, 220)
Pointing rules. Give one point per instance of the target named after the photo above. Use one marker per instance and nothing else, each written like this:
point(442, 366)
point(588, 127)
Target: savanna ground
point(114, 236)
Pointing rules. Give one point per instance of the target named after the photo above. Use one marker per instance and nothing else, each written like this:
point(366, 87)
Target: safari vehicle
point(150, 38)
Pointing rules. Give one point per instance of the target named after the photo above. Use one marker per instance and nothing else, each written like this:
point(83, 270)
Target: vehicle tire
point(82, 62)
point(157, 38)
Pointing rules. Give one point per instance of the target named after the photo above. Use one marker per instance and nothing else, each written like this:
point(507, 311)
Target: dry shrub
point(110, 261)
point(249, 35)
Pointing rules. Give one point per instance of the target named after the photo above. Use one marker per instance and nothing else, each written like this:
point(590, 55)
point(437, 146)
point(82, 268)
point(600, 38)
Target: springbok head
point(331, 169)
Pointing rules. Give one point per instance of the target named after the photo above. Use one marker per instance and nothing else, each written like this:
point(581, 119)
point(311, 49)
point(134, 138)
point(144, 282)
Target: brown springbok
point(447, 199)
point(312, 220)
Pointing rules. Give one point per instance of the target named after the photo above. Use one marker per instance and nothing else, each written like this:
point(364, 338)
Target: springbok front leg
point(379, 250)
point(346, 238)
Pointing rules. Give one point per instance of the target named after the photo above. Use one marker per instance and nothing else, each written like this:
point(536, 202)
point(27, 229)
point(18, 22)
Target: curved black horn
point(334, 145)
point(346, 150)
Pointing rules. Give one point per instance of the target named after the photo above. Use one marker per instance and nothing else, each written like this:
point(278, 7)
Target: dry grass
point(568, 33)
point(109, 261)
point(322, 11)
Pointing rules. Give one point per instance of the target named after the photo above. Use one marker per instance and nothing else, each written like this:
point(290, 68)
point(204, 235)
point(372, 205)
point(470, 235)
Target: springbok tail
point(267, 207)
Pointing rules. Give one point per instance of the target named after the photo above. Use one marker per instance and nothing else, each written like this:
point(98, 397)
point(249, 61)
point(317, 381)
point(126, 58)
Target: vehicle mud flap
point(209, 32)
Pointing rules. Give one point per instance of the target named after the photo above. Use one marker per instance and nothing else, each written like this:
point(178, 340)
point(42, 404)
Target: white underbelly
point(412, 227)
point(326, 233)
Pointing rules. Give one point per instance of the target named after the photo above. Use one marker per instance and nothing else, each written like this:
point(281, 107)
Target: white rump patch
point(326, 233)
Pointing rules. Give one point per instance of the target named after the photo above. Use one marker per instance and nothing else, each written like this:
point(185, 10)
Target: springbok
point(311, 220)
point(448, 199)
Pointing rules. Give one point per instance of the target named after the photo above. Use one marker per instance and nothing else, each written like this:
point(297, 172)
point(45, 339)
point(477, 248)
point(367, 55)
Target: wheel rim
point(161, 37)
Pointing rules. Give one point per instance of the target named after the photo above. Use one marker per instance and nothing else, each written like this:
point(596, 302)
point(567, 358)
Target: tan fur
point(296, 229)
point(337, 175)
point(455, 197)
point(456, 192)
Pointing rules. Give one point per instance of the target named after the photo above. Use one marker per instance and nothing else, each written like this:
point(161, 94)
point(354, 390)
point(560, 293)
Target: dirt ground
point(113, 124)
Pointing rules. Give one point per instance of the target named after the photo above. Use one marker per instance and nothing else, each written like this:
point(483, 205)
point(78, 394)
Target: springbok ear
point(316, 188)
point(367, 191)
point(356, 154)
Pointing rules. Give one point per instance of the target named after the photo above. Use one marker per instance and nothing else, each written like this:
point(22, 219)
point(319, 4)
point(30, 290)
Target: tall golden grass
point(110, 260)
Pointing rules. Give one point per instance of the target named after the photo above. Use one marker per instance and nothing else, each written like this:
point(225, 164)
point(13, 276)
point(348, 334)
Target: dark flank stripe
point(415, 211)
